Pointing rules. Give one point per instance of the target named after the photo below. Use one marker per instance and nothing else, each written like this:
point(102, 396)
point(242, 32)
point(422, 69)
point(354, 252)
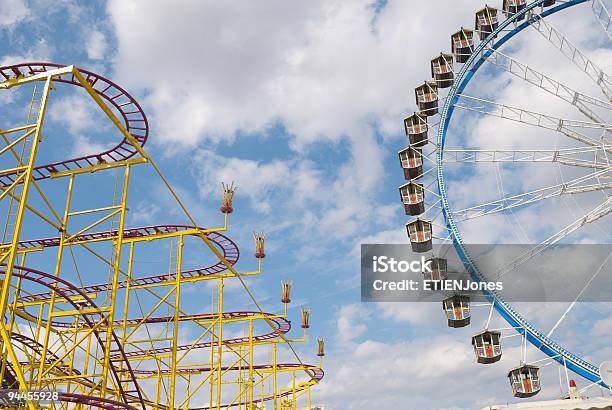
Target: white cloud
point(603, 327)
point(39, 50)
point(413, 313)
point(12, 12)
point(73, 111)
point(325, 69)
point(86, 146)
point(351, 322)
point(144, 213)
point(96, 45)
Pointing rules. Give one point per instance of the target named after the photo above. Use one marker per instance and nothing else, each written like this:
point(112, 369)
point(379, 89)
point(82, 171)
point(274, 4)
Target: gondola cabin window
point(413, 198)
point(487, 346)
point(525, 381)
point(457, 309)
point(486, 21)
point(511, 7)
point(442, 70)
point(462, 44)
point(438, 269)
point(411, 160)
point(420, 234)
point(427, 98)
point(416, 128)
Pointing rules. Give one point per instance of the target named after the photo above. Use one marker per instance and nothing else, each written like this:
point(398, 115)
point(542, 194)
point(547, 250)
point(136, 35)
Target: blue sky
point(301, 104)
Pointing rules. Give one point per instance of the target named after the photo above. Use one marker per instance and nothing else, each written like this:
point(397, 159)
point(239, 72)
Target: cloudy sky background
point(301, 103)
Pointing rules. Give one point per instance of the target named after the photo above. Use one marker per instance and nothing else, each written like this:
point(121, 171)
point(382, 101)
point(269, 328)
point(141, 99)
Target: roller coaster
point(80, 319)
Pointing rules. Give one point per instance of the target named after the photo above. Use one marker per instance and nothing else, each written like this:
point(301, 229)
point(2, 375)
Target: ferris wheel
point(576, 152)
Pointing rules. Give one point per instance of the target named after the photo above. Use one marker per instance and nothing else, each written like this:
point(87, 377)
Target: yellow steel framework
point(131, 340)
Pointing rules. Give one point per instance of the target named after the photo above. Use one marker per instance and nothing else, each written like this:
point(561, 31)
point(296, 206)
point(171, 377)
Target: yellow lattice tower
point(78, 336)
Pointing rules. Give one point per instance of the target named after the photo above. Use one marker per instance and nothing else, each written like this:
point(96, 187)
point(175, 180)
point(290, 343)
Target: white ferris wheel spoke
point(575, 186)
point(596, 213)
point(557, 39)
point(603, 16)
point(580, 100)
point(564, 126)
point(588, 157)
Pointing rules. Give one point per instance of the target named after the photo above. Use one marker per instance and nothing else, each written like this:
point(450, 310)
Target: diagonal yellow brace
point(36, 77)
point(13, 356)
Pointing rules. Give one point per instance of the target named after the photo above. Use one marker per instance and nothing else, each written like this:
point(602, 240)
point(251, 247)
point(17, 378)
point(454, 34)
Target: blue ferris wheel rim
point(478, 56)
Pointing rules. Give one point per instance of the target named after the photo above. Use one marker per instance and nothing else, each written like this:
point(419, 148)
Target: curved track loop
point(98, 402)
point(134, 119)
point(478, 56)
point(37, 348)
point(226, 246)
point(316, 374)
point(57, 284)
point(282, 326)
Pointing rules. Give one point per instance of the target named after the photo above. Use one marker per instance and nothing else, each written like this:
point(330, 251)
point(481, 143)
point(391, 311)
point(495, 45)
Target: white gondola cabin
point(442, 70)
point(411, 160)
point(416, 128)
point(427, 98)
point(457, 309)
point(511, 7)
point(438, 269)
point(525, 380)
point(486, 21)
point(462, 44)
point(487, 346)
point(413, 198)
point(420, 234)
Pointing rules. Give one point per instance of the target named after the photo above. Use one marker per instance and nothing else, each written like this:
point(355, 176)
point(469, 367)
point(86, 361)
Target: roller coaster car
point(524, 380)
point(420, 234)
point(457, 309)
point(413, 198)
point(411, 160)
point(442, 70)
point(438, 269)
point(487, 346)
point(427, 98)
point(548, 3)
point(462, 44)
point(511, 7)
point(416, 128)
point(486, 21)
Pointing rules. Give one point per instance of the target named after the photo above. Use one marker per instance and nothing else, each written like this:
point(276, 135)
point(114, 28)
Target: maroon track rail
point(228, 248)
point(282, 326)
point(132, 114)
point(128, 387)
point(316, 375)
point(98, 402)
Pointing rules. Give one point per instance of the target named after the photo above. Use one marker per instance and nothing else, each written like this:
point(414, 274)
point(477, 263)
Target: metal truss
point(596, 213)
point(546, 83)
point(528, 117)
point(575, 186)
point(558, 40)
point(603, 16)
point(570, 156)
